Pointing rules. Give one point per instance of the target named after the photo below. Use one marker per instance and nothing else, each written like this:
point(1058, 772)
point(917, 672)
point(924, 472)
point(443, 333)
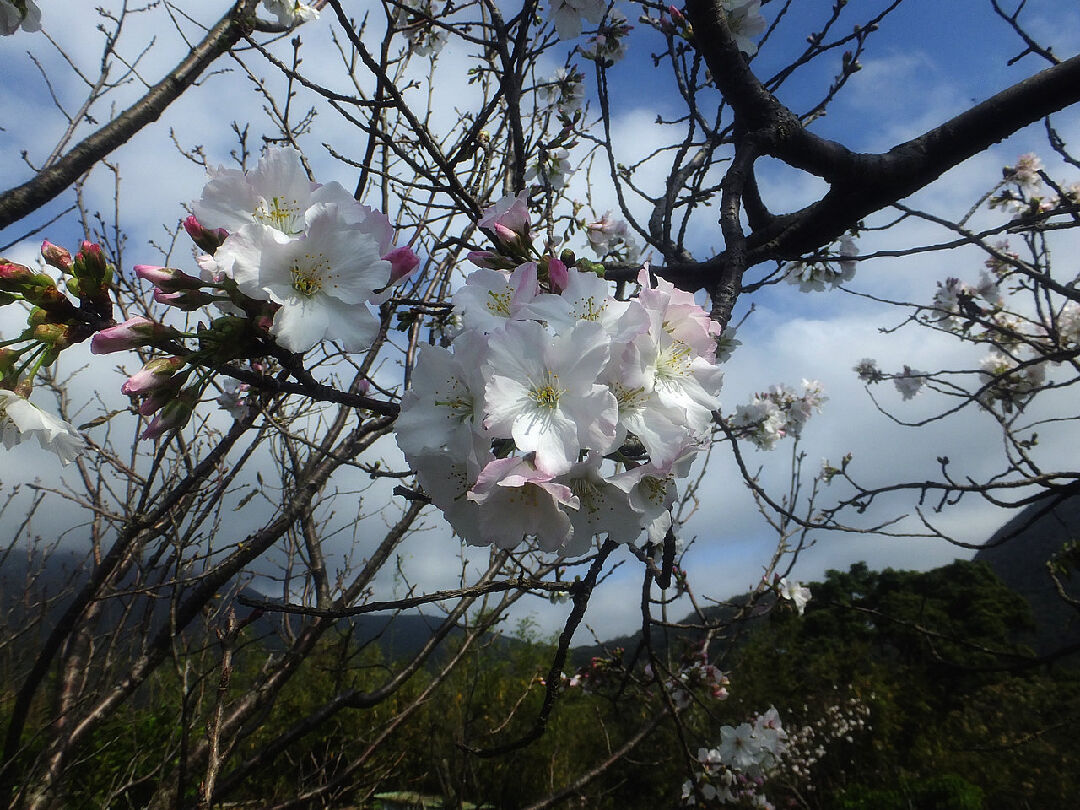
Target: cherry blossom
point(541, 391)
point(519, 499)
point(568, 387)
point(565, 91)
point(510, 215)
point(603, 507)
point(277, 193)
point(489, 298)
point(608, 234)
point(746, 23)
point(16, 14)
point(550, 170)
point(608, 44)
point(443, 410)
point(794, 592)
point(567, 15)
point(424, 37)
point(320, 279)
point(909, 382)
point(291, 12)
point(20, 420)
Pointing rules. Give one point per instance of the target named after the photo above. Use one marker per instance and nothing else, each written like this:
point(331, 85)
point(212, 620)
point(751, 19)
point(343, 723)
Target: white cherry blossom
point(520, 500)
point(567, 15)
point(443, 410)
point(12, 17)
point(290, 12)
point(604, 508)
point(320, 279)
point(746, 23)
point(20, 419)
point(277, 193)
point(490, 298)
point(541, 391)
point(446, 479)
point(794, 592)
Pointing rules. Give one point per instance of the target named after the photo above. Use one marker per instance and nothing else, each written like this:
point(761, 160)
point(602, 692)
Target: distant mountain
point(677, 638)
point(35, 590)
point(1034, 535)
point(1018, 551)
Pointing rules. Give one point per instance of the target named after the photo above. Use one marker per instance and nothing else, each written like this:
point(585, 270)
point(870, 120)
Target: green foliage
point(932, 654)
point(945, 792)
point(954, 725)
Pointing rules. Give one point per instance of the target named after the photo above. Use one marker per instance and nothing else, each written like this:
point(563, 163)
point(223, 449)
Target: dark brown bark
point(860, 184)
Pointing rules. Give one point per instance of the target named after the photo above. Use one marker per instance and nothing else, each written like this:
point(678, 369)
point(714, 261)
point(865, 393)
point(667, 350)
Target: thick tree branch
point(860, 183)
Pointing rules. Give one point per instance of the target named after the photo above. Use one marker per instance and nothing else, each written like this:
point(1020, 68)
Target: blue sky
point(929, 61)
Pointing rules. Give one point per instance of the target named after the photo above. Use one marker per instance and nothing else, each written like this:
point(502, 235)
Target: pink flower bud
point(90, 265)
point(187, 300)
point(402, 262)
point(208, 239)
point(14, 276)
point(558, 275)
point(137, 331)
point(167, 279)
point(56, 256)
point(156, 400)
point(508, 219)
point(156, 374)
point(503, 235)
point(173, 415)
point(489, 260)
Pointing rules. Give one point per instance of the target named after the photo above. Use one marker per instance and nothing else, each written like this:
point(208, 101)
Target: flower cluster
point(610, 236)
point(291, 12)
point(285, 259)
point(16, 14)
point(956, 304)
point(551, 169)
point(807, 744)
point(1023, 193)
point(1009, 381)
point(415, 18)
point(818, 274)
point(735, 771)
point(56, 321)
point(567, 15)
point(564, 92)
point(695, 674)
point(608, 45)
point(313, 253)
point(599, 672)
point(560, 412)
point(778, 412)
point(753, 753)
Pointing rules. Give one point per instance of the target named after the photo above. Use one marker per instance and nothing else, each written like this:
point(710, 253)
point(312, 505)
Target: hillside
point(1018, 551)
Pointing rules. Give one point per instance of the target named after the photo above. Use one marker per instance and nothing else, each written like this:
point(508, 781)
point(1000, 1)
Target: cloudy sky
point(917, 72)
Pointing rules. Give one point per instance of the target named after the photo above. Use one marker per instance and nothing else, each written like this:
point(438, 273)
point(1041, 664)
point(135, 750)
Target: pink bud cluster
point(694, 676)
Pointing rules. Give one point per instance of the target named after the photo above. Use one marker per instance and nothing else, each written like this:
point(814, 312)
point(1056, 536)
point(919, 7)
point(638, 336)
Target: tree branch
point(23, 200)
